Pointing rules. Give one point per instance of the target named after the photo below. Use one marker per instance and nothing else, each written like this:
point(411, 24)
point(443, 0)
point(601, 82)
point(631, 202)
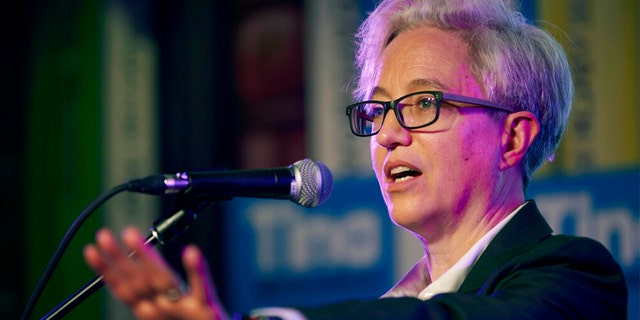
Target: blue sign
point(281, 254)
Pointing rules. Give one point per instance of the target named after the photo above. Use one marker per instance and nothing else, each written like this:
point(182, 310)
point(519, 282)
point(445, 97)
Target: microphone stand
point(164, 230)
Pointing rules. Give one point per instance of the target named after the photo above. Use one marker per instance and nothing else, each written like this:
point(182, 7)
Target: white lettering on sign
point(288, 239)
point(615, 227)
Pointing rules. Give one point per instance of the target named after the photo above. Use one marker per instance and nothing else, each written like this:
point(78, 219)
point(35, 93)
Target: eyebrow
point(431, 83)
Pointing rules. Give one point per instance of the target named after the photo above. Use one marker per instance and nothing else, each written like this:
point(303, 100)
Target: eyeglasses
point(414, 110)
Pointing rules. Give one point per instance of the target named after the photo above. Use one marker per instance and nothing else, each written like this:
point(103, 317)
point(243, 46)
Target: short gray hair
point(519, 65)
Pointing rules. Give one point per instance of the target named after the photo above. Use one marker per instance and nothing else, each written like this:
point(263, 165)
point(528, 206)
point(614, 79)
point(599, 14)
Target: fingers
point(93, 253)
point(158, 274)
point(197, 273)
point(133, 279)
point(147, 284)
point(94, 259)
point(201, 286)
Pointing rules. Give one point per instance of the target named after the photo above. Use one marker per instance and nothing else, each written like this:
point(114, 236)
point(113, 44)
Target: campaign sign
point(282, 254)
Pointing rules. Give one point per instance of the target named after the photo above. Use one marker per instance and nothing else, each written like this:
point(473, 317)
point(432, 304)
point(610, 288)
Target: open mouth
point(402, 173)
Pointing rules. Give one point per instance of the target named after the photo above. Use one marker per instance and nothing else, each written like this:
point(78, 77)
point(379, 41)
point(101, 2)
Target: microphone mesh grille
point(316, 183)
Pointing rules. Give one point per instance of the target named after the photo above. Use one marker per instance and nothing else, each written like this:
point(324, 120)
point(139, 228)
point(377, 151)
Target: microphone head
point(314, 183)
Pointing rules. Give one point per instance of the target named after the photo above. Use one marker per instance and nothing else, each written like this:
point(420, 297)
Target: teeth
point(401, 173)
point(403, 178)
point(398, 170)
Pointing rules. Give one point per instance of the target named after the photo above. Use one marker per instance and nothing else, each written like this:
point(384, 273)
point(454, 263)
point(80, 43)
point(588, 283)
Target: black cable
point(64, 243)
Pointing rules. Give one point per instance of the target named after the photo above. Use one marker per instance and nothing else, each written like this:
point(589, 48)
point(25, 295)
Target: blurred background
point(99, 92)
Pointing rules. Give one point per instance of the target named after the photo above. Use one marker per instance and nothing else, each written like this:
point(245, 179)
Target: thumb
point(200, 283)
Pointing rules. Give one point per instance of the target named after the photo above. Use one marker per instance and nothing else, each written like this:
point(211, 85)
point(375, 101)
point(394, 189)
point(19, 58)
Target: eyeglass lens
point(415, 110)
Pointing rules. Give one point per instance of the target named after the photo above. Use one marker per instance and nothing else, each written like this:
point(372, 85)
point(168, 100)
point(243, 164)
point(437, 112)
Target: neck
point(444, 251)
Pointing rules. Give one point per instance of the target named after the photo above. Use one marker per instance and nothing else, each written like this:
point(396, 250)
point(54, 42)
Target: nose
point(392, 134)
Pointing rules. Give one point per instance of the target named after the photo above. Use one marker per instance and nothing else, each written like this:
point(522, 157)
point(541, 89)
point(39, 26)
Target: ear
point(520, 129)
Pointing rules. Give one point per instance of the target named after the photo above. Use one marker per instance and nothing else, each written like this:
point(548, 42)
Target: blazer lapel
point(526, 228)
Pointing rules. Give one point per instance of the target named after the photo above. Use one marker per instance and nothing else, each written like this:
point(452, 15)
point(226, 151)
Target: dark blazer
point(524, 273)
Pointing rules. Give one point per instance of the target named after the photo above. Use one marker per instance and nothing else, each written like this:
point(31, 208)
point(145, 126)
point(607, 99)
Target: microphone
point(306, 182)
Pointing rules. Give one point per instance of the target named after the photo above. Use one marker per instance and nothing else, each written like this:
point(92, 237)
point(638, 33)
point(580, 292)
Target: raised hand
point(145, 282)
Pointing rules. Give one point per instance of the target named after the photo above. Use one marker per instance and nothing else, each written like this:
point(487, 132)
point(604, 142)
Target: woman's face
point(431, 176)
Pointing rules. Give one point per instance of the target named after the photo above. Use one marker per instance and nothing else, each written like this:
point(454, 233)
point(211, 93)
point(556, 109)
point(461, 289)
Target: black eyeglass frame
point(440, 97)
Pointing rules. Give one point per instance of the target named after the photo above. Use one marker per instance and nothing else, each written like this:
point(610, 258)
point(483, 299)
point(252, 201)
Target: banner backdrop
point(282, 254)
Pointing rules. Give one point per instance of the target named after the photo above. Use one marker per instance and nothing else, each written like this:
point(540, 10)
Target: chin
point(403, 220)
point(410, 218)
